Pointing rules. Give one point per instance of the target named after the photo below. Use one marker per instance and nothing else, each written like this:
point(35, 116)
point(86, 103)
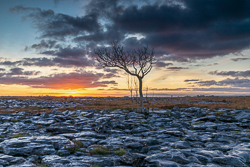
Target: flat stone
point(51, 159)
point(229, 160)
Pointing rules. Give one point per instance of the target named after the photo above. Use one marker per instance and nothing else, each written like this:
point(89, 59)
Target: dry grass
point(120, 103)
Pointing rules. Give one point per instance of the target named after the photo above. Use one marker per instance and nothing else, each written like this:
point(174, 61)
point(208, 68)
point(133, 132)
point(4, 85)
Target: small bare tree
point(138, 62)
point(130, 88)
point(136, 92)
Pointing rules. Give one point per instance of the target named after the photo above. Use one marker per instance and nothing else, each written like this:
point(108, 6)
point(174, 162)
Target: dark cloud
point(162, 64)
point(214, 64)
point(231, 73)
point(41, 62)
point(206, 83)
point(57, 61)
point(239, 59)
point(42, 45)
point(113, 70)
point(58, 25)
point(236, 82)
point(191, 80)
point(2, 69)
point(112, 73)
point(10, 63)
point(102, 36)
point(16, 71)
point(69, 52)
point(60, 81)
point(20, 71)
point(176, 68)
point(177, 58)
point(62, 56)
point(183, 30)
point(202, 29)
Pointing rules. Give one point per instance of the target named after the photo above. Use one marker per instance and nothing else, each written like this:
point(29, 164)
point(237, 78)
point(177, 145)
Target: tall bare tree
point(138, 62)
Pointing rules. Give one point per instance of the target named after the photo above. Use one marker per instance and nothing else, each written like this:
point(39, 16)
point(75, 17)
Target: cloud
point(184, 30)
point(111, 75)
point(163, 64)
point(113, 70)
point(176, 68)
point(58, 25)
point(239, 59)
point(202, 29)
point(191, 80)
point(19, 71)
point(177, 58)
point(214, 64)
point(57, 61)
point(60, 81)
point(236, 82)
point(206, 83)
point(9, 63)
point(42, 45)
point(69, 52)
point(2, 69)
point(62, 56)
point(231, 73)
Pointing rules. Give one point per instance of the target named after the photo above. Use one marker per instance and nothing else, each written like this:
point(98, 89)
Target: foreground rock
point(186, 137)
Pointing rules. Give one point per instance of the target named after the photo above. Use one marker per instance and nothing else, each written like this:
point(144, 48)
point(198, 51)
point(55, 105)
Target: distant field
point(47, 104)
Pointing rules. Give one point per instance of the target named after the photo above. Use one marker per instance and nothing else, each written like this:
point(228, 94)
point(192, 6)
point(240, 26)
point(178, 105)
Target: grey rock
point(186, 137)
point(179, 158)
point(242, 151)
point(56, 141)
point(44, 122)
point(55, 112)
point(10, 160)
point(134, 145)
point(181, 145)
point(52, 159)
point(229, 160)
point(60, 130)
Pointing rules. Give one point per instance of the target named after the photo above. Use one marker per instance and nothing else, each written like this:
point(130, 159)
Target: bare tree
point(138, 62)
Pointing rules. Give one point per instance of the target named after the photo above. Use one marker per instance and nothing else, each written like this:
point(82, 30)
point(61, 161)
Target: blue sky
point(201, 47)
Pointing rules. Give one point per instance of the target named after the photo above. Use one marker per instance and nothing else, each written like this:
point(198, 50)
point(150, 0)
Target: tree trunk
point(141, 95)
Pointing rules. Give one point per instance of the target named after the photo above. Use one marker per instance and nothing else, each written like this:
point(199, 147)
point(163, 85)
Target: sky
point(200, 47)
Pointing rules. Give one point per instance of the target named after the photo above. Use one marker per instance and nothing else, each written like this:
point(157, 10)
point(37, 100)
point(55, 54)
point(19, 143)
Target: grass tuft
point(19, 135)
point(95, 165)
point(101, 150)
point(120, 152)
point(74, 147)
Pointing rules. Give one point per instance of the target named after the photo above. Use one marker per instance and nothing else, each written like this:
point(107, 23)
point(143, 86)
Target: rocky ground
point(186, 137)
